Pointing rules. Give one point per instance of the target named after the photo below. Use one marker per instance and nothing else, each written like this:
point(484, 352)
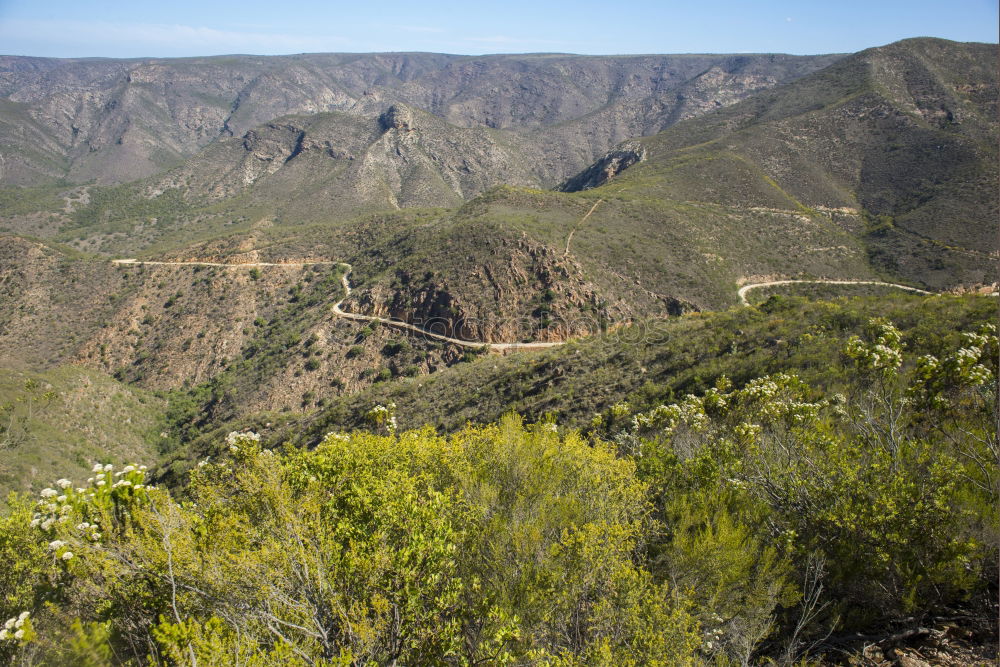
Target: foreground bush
point(793, 514)
point(500, 544)
point(740, 526)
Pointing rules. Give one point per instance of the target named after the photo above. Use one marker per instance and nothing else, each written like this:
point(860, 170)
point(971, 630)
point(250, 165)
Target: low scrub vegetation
point(735, 526)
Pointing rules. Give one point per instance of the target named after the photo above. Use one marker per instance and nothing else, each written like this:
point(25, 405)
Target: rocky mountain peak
point(397, 117)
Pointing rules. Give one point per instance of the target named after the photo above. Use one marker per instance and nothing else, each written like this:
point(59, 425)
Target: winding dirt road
point(339, 311)
point(248, 264)
point(399, 324)
point(752, 286)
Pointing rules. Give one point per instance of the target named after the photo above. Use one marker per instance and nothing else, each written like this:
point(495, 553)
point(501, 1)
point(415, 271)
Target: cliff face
point(117, 120)
point(523, 291)
point(606, 168)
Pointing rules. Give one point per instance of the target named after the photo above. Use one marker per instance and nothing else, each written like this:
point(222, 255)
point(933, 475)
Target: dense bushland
point(742, 525)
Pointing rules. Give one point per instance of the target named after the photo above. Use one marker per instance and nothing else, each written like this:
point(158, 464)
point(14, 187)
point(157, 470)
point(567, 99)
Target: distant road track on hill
point(752, 286)
point(569, 237)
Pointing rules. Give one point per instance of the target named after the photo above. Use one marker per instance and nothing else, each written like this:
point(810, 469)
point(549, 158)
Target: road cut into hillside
point(752, 286)
point(340, 312)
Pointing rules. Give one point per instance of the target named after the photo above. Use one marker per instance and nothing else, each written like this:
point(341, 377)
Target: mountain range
point(114, 120)
point(498, 199)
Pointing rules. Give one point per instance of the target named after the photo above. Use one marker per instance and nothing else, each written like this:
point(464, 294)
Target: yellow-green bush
point(499, 544)
point(734, 526)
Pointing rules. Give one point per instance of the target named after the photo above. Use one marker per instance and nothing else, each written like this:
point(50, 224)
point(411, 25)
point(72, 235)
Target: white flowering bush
point(888, 482)
point(62, 525)
point(104, 490)
point(383, 417)
point(884, 355)
point(767, 401)
point(370, 548)
point(237, 439)
point(940, 382)
point(18, 629)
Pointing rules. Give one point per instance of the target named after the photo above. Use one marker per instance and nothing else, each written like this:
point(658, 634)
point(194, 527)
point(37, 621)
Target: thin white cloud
point(158, 36)
point(76, 38)
point(496, 39)
point(419, 28)
point(519, 44)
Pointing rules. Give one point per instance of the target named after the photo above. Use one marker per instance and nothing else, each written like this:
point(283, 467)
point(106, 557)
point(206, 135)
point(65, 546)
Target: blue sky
point(134, 28)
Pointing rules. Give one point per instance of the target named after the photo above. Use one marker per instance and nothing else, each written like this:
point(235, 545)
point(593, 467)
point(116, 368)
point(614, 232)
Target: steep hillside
point(116, 120)
point(61, 421)
point(254, 275)
point(522, 264)
point(548, 265)
point(875, 167)
point(263, 338)
point(878, 166)
point(900, 140)
point(326, 167)
point(651, 362)
point(853, 172)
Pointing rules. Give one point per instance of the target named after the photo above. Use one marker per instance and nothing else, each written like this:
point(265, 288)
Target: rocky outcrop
point(397, 117)
point(268, 148)
point(518, 291)
point(606, 168)
point(402, 159)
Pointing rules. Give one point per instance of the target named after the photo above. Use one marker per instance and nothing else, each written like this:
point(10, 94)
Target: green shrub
point(392, 348)
point(503, 545)
point(882, 482)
